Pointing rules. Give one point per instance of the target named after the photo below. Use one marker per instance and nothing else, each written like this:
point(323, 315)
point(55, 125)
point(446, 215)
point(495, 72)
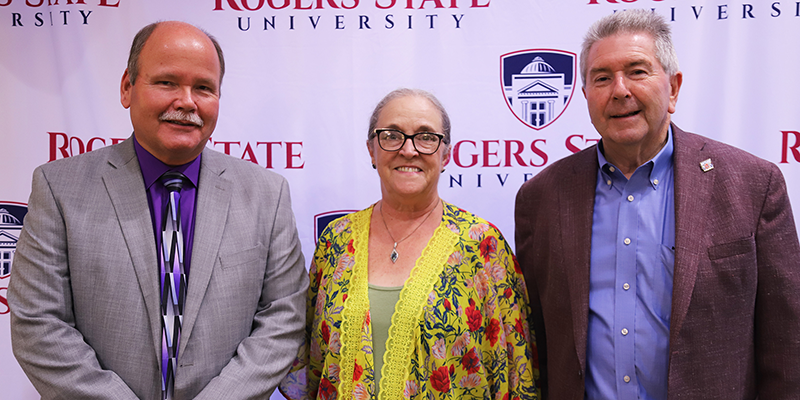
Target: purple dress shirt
point(152, 169)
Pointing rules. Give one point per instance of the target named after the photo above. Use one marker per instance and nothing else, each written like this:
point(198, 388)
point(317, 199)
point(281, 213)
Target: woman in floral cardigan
point(414, 297)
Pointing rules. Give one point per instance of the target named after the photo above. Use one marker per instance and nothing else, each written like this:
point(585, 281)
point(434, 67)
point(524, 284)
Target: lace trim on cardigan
point(408, 311)
point(356, 306)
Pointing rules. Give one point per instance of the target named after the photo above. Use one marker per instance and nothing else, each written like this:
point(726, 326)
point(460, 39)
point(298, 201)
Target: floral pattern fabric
point(460, 328)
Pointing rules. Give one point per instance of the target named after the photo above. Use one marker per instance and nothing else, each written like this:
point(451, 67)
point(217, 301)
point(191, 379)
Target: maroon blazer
point(735, 322)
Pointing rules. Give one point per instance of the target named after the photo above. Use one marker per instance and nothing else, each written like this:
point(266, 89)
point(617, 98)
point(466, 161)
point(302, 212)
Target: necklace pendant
point(395, 254)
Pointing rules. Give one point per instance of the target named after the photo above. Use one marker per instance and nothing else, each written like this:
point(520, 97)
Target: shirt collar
point(658, 165)
point(662, 162)
point(152, 168)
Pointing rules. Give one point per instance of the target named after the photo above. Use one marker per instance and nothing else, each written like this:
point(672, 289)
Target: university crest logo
point(538, 84)
point(11, 216)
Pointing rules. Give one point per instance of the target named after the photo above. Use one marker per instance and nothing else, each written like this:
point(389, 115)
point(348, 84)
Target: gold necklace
point(395, 254)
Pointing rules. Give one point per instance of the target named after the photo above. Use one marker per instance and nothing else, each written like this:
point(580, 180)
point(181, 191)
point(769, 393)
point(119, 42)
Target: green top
point(382, 301)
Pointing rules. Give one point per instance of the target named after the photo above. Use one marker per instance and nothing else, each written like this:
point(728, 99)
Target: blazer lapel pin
point(706, 165)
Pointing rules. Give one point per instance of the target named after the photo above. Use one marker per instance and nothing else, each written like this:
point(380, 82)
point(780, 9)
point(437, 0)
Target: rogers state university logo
point(11, 216)
point(538, 84)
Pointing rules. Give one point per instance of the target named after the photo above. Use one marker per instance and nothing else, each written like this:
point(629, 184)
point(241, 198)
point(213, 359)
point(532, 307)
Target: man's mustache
point(181, 117)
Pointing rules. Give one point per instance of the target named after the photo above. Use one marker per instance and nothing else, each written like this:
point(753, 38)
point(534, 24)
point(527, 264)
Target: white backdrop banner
point(303, 76)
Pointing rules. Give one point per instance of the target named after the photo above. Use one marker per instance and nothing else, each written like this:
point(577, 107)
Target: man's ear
point(125, 88)
point(675, 82)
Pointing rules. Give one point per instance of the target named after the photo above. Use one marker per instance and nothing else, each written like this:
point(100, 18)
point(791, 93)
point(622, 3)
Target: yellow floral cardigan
point(459, 330)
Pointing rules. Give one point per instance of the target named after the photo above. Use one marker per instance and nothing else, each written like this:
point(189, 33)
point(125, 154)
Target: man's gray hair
point(404, 92)
point(141, 38)
point(633, 21)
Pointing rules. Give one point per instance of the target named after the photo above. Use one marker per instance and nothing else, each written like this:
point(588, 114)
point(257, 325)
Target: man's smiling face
point(628, 93)
point(174, 101)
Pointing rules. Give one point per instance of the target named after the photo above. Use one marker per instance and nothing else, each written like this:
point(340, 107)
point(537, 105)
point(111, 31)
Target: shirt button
point(627, 241)
point(626, 286)
point(612, 169)
point(626, 378)
point(630, 197)
point(624, 331)
point(655, 181)
point(608, 182)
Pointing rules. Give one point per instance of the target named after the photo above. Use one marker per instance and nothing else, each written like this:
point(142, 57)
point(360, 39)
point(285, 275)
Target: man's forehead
point(167, 45)
point(635, 60)
point(639, 46)
point(171, 36)
point(630, 38)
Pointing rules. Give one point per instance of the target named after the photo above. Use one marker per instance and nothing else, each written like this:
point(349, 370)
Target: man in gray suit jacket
point(660, 264)
point(86, 312)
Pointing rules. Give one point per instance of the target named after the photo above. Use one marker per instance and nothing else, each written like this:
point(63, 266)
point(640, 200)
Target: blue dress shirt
point(630, 292)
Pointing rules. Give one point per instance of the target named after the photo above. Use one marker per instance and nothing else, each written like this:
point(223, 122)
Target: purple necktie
point(173, 279)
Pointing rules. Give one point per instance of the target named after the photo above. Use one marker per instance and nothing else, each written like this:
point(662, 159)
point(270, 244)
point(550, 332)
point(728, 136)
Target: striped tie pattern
point(173, 280)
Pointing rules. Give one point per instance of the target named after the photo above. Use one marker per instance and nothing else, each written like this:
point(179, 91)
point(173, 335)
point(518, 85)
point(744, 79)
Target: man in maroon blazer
point(660, 264)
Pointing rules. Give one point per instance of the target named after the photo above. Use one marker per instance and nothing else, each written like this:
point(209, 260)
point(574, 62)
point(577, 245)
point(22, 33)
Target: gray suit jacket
point(84, 290)
point(735, 320)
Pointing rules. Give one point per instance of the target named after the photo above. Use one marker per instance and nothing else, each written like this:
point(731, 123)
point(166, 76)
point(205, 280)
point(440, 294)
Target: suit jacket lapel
point(125, 187)
point(693, 197)
point(576, 208)
point(213, 199)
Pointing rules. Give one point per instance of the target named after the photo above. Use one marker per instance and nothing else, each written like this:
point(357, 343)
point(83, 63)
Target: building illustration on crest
point(10, 228)
point(538, 92)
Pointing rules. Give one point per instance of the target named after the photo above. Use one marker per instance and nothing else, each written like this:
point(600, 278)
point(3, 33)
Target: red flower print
point(508, 293)
point(344, 297)
point(517, 269)
point(326, 390)
point(519, 328)
point(488, 247)
point(357, 371)
point(452, 369)
point(318, 277)
point(326, 332)
point(350, 248)
point(447, 304)
point(440, 379)
point(470, 361)
point(492, 330)
point(474, 318)
point(327, 245)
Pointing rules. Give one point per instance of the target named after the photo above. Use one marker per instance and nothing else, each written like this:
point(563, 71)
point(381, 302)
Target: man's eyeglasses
point(393, 140)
